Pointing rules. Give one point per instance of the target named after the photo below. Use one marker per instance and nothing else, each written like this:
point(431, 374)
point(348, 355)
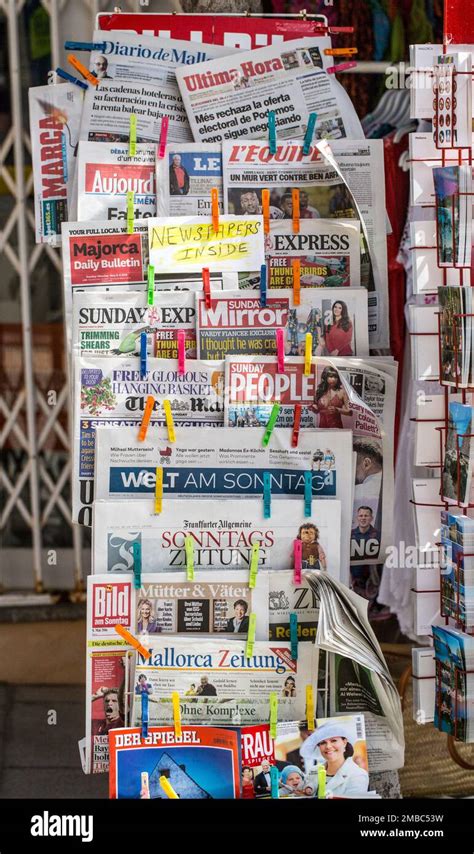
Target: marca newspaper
point(254, 385)
point(185, 177)
point(112, 391)
point(55, 115)
point(229, 464)
point(222, 535)
point(218, 682)
point(230, 97)
point(106, 173)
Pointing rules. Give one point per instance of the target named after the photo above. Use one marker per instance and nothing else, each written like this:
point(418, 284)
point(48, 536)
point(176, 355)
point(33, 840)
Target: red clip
point(215, 208)
point(163, 137)
point(280, 351)
point(343, 66)
point(298, 561)
point(296, 426)
point(206, 286)
point(181, 353)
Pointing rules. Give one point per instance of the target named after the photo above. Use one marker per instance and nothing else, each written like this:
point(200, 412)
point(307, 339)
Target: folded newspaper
point(107, 172)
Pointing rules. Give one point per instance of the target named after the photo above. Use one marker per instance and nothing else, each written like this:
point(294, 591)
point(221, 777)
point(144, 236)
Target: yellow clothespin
point(321, 781)
point(189, 550)
point(273, 714)
point(308, 352)
point(130, 212)
point(132, 641)
point(132, 139)
point(168, 788)
point(159, 490)
point(176, 714)
point(254, 565)
point(310, 707)
point(169, 421)
point(251, 636)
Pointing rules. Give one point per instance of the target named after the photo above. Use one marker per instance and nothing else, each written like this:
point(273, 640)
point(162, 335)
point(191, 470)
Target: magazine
point(230, 97)
point(454, 334)
point(185, 178)
point(454, 706)
point(55, 115)
point(106, 173)
point(111, 391)
point(286, 597)
point(202, 763)
point(453, 190)
point(222, 536)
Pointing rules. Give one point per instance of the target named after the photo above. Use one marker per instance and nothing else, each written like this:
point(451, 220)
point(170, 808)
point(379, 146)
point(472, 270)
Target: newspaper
point(236, 323)
point(286, 597)
point(222, 535)
point(209, 674)
point(107, 677)
point(111, 391)
point(111, 323)
point(185, 178)
point(253, 386)
point(227, 463)
point(230, 97)
point(55, 115)
point(106, 173)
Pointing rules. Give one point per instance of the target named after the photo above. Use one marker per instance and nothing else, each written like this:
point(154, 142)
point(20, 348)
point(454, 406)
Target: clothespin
point(274, 777)
point(270, 424)
point(168, 788)
point(144, 697)
point(263, 285)
point(159, 489)
point(294, 635)
point(176, 714)
point(206, 286)
point(308, 354)
point(169, 421)
point(137, 565)
point(272, 134)
point(343, 66)
point(151, 285)
point(280, 342)
point(295, 197)
point(297, 561)
point(296, 264)
point(273, 714)
point(82, 70)
point(132, 641)
point(251, 636)
point(296, 426)
point(254, 565)
point(85, 46)
point(340, 51)
point(69, 77)
point(308, 492)
point(267, 495)
point(266, 211)
point(310, 707)
point(163, 137)
point(181, 353)
point(308, 137)
point(143, 355)
point(215, 208)
point(150, 402)
point(132, 140)
point(145, 786)
point(321, 781)
point(189, 551)
point(130, 212)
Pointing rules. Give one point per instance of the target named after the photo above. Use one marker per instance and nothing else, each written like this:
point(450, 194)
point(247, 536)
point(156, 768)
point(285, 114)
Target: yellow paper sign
point(191, 243)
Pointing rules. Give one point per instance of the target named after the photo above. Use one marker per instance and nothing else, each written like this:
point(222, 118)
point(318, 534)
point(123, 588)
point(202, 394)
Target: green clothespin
point(189, 549)
point(274, 777)
point(321, 781)
point(294, 635)
point(273, 714)
point(251, 636)
point(270, 424)
point(254, 565)
point(151, 285)
point(132, 140)
point(130, 212)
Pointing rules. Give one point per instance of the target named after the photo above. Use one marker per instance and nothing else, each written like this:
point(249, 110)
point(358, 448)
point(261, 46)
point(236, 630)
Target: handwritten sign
point(191, 243)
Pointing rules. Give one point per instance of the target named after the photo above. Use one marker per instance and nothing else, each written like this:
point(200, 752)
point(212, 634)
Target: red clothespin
point(266, 211)
point(280, 342)
point(163, 137)
point(206, 286)
point(296, 264)
point(298, 561)
point(181, 353)
point(296, 426)
point(215, 208)
point(295, 197)
point(343, 66)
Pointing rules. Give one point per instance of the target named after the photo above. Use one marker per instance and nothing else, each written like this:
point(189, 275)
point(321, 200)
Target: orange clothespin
point(132, 641)
point(150, 402)
point(82, 70)
point(296, 264)
point(206, 286)
point(340, 51)
point(266, 211)
point(295, 197)
point(215, 208)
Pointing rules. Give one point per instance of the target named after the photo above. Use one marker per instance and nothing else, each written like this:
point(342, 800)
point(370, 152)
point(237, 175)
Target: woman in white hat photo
point(344, 777)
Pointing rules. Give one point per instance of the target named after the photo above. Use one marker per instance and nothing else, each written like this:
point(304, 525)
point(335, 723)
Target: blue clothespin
point(84, 46)
point(267, 495)
point(70, 78)
point(144, 714)
point(263, 285)
point(272, 132)
point(308, 137)
point(143, 355)
point(137, 565)
point(274, 776)
point(294, 635)
point(308, 492)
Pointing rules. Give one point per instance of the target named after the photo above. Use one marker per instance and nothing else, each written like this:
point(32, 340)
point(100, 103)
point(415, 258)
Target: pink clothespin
point(163, 137)
point(280, 351)
point(298, 561)
point(296, 426)
point(181, 353)
point(343, 66)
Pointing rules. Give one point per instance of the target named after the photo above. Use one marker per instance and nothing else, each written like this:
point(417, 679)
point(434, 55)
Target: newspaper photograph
point(253, 385)
point(185, 178)
point(222, 536)
point(110, 323)
point(112, 391)
point(107, 673)
point(229, 464)
point(189, 244)
point(106, 173)
point(211, 672)
point(230, 97)
point(55, 115)
point(286, 597)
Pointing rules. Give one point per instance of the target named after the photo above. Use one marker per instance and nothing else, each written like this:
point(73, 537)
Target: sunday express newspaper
point(107, 172)
point(222, 536)
point(55, 115)
point(230, 97)
point(227, 463)
point(185, 178)
point(253, 385)
point(112, 391)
